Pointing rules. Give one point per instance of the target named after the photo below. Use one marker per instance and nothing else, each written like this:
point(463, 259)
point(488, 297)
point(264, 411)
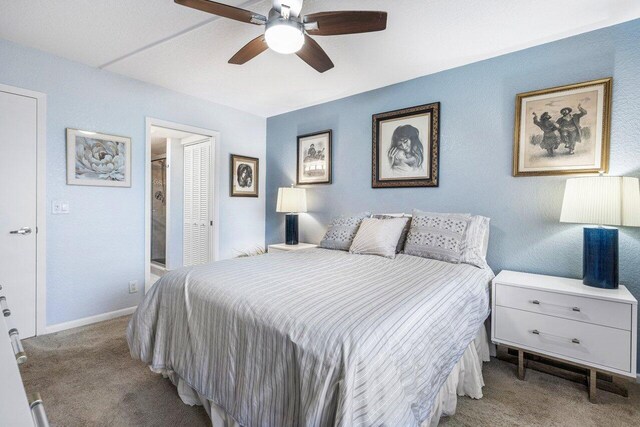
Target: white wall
point(94, 251)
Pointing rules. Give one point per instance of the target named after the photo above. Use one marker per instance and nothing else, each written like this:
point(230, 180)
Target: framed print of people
point(405, 147)
point(563, 130)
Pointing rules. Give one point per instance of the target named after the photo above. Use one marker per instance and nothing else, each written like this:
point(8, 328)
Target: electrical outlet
point(133, 286)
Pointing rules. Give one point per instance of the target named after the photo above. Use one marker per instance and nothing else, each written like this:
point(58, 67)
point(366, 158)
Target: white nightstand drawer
point(596, 311)
point(582, 342)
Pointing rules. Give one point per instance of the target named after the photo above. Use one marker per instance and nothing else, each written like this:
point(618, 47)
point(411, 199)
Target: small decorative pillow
point(405, 230)
point(473, 247)
point(378, 237)
point(437, 236)
point(341, 231)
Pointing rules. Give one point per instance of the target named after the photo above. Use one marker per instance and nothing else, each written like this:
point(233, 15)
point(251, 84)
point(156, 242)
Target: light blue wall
point(477, 120)
point(93, 252)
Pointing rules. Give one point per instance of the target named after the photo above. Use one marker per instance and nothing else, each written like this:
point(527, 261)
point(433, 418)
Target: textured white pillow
point(378, 237)
point(437, 235)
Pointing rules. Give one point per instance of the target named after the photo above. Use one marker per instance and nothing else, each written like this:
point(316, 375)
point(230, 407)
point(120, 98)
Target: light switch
point(59, 207)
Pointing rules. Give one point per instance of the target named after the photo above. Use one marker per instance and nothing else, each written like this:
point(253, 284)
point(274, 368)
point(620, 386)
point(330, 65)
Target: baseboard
point(89, 320)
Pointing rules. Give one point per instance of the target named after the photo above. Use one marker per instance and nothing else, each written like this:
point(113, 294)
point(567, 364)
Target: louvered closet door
point(197, 201)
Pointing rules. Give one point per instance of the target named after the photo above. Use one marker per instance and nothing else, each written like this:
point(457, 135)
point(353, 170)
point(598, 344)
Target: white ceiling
point(187, 51)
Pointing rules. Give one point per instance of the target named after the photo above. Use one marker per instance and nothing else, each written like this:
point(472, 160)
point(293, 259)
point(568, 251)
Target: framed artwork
point(314, 158)
point(406, 147)
point(244, 176)
point(563, 130)
point(98, 159)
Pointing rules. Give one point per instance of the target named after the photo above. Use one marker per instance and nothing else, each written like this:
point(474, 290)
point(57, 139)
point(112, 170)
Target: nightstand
point(563, 319)
point(282, 247)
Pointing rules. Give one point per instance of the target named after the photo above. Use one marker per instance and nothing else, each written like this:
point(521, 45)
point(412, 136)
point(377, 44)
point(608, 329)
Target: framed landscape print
point(405, 147)
point(98, 159)
point(314, 158)
point(563, 130)
point(244, 176)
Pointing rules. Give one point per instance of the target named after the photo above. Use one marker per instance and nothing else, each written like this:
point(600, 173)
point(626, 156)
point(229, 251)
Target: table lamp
point(601, 200)
point(291, 201)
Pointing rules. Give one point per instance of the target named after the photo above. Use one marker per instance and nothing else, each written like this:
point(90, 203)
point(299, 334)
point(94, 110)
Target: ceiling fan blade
point(345, 22)
point(252, 49)
point(225, 11)
point(314, 55)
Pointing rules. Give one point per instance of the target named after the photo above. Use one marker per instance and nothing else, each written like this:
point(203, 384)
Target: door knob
point(23, 230)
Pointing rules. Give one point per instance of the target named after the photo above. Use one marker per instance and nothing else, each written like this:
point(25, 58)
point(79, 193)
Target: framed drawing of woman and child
point(405, 147)
point(563, 130)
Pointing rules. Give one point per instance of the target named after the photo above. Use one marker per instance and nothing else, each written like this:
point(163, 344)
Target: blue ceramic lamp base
point(291, 229)
point(600, 257)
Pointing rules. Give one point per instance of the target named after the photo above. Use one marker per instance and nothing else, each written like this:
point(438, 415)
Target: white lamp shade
point(292, 200)
point(602, 200)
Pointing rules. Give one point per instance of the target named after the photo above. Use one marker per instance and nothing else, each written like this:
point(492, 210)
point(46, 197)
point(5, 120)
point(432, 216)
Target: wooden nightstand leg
point(592, 382)
point(520, 364)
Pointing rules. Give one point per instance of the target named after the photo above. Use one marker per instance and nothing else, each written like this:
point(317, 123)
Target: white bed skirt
point(464, 380)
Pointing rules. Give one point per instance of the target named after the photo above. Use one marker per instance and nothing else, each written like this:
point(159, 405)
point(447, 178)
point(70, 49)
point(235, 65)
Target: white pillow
point(475, 242)
point(378, 237)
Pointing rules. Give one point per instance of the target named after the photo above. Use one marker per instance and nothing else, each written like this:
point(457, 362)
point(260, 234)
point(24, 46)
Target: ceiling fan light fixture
point(284, 36)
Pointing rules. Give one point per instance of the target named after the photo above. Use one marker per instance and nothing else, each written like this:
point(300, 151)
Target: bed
point(318, 337)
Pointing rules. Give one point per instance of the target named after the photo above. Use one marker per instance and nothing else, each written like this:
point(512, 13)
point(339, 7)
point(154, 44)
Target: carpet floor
point(87, 378)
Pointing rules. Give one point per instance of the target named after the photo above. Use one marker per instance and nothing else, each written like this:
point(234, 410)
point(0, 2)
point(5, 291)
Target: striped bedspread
point(314, 337)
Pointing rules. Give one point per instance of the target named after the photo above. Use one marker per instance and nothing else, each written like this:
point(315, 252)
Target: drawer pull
point(37, 411)
point(5, 308)
point(537, 302)
point(573, 340)
point(16, 344)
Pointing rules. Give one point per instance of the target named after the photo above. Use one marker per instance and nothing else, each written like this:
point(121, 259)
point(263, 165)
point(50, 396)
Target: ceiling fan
point(288, 32)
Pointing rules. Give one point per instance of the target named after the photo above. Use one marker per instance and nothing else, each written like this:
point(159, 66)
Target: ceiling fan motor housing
point(294, 6)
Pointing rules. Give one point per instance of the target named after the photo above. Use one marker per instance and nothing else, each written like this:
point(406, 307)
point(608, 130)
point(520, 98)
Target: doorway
point(181, 197)
point(22, 212)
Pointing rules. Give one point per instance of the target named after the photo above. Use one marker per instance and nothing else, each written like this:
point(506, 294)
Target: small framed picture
point(406, 147)
point(563, 130)
point(98, 159)
point(244, 176)
point(314, 158)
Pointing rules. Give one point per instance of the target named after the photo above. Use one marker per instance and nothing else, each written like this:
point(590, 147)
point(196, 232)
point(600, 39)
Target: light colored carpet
point(87, 378)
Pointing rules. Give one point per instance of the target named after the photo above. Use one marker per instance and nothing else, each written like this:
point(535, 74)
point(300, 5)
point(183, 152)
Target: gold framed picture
point(563, 130)
point(244, 176)
point(405, 149)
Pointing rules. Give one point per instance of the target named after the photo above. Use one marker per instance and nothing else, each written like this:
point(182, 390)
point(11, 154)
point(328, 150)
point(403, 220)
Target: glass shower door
point(158, 211)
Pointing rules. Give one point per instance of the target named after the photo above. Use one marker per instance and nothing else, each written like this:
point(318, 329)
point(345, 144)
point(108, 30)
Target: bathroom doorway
point(181, 201)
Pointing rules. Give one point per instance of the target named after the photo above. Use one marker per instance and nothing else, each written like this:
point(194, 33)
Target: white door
point(197, 203)
point(18, 181)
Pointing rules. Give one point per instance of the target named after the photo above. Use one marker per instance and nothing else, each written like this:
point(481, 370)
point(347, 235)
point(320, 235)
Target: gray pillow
point(437, 235)
point(474, 244)
point(341, 231)
point(378, 236)
point(405, 230)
